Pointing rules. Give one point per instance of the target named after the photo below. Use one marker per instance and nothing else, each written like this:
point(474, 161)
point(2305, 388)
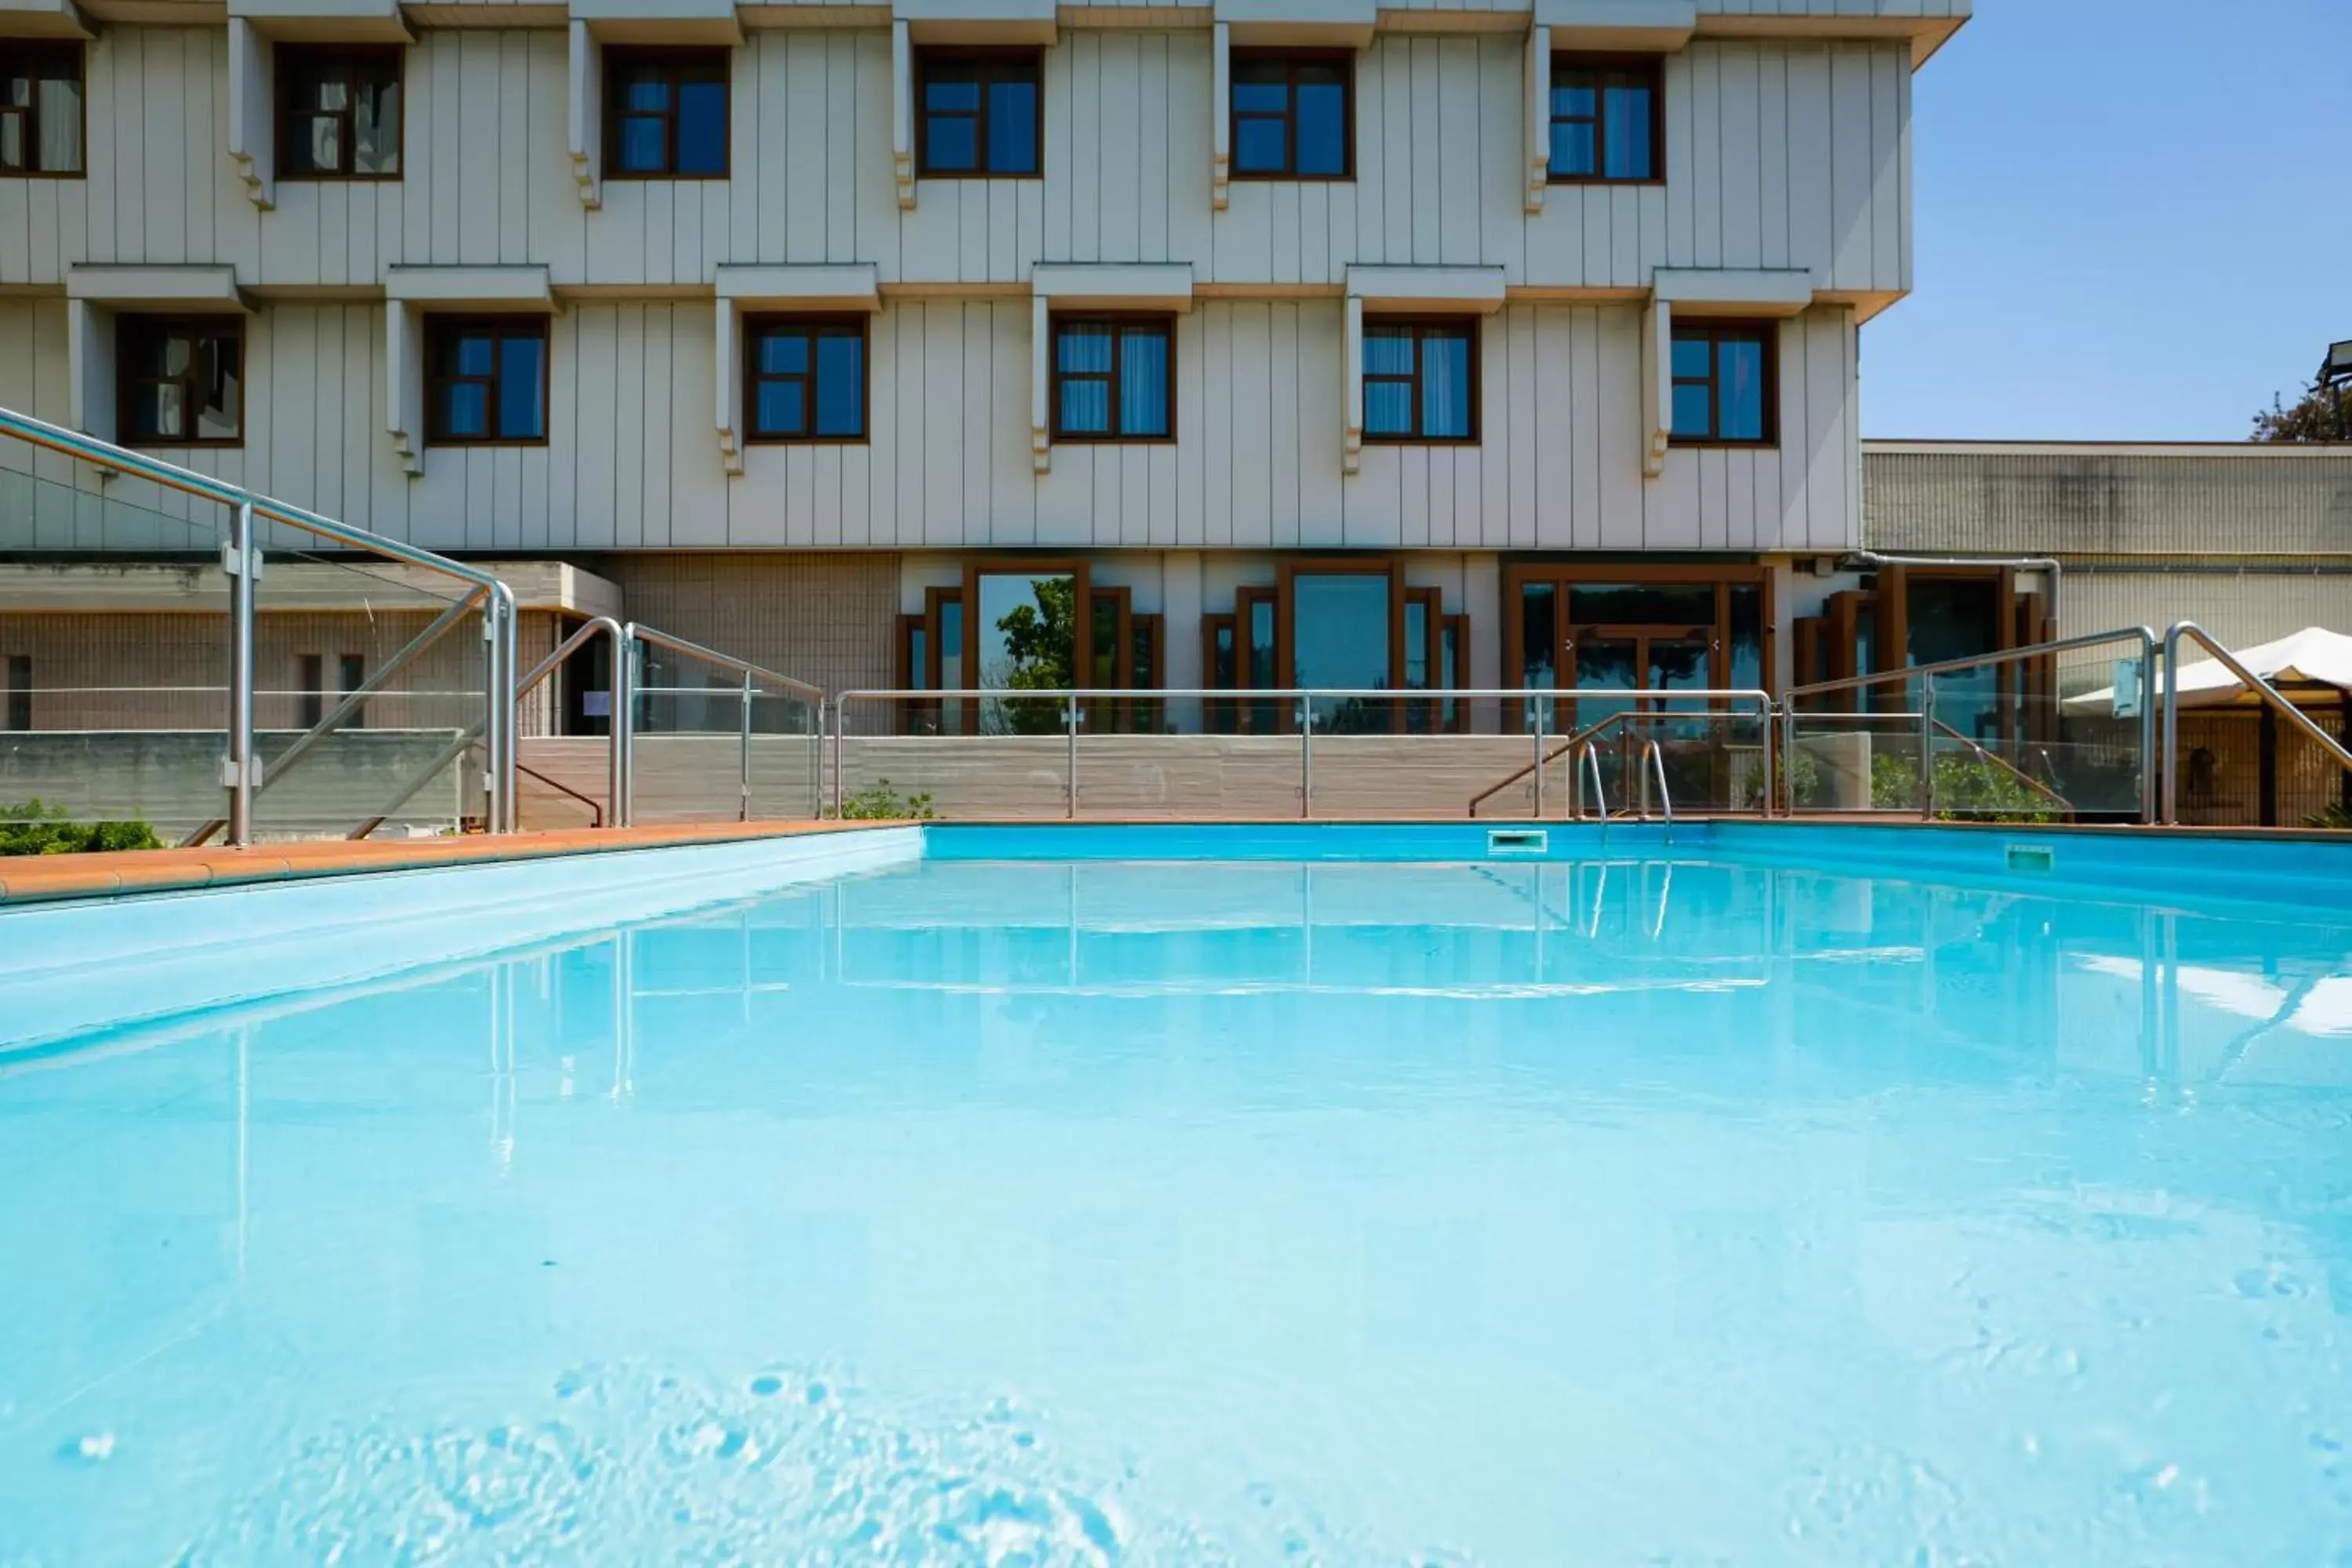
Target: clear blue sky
point(2134, 221)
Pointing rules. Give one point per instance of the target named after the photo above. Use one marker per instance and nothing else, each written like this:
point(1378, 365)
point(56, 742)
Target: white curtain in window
point(60, 125)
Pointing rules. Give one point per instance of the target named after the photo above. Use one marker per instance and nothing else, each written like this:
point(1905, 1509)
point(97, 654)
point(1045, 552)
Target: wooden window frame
point(350, 57)
point(1119, 323)
point(1600, 73)
point(1714, 334)
point(988, 63)
point(130, 329)
point(811, 326)
point(1422, 328)
point(1564, 577)
point(438, 332)
point(1291, 60)
point(674, 60)
point(33, 51)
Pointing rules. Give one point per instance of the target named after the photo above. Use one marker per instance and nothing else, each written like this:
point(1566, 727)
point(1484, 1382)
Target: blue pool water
point(1702, 1203)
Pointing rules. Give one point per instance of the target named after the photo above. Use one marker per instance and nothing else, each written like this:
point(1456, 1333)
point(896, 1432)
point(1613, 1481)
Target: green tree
point(1041, 653)
point(2321, 416)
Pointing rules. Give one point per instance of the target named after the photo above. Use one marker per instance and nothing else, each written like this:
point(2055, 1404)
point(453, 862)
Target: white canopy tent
point(2314, 657)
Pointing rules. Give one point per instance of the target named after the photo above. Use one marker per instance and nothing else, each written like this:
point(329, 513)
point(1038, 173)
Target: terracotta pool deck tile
point(114, 872)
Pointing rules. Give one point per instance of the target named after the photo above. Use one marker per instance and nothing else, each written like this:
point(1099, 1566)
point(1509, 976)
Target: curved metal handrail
point(1653, 764)
point(1589, 761)
point(2254, 683)
point(1566, 747)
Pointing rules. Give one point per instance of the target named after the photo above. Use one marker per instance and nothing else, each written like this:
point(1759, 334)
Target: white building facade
point(1306, 342)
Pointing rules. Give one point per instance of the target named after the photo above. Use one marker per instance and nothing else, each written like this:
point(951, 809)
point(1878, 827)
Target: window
point(486, 383)
point(1608, 122)
point(338, 113)
point(353, 672)
point(40, 108)
point(983, 114)
point(1291, 116)
point(179, 382)
point(20, 691)
point(309, 690)
point(1420, 382)
point(805, 378)
point(1723, 386)
point(665, 114)
point(1114, 379)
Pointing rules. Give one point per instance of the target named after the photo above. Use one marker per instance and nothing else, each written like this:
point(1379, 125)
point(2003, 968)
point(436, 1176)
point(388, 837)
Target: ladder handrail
point(1589, 761)
point(1654, 763)
point(2254, 683)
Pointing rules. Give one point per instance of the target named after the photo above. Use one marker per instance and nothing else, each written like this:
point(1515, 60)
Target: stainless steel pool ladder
point(1653, 769)
point(1588, 762)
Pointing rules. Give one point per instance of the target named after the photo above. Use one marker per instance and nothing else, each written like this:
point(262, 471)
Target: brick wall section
point(830, 620)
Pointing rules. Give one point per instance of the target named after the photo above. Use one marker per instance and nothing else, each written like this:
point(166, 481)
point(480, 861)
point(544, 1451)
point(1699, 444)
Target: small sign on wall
point(596, 705)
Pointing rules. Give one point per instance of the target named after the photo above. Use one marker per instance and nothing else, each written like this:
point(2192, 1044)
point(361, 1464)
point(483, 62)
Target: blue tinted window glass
point(1257, 146)
point(840, 385)
point(960, 96)
point(1573, 148)
point(1628, 121)
point(1013, 127)
point(641, 145)
point(1740, 365)
point(1322, 128)
point(477, 355)
point(648, 92)
point(1085, 407)
point(1143, 384)
point(1694, 356)
point(1268, 95)
point(783, 354)
point(779, 410)
point(522, 381)
point(953, 145)
point(1340, 631)
point(1692, 412)
point(466, 408)
point(702, 127)
point(1085, 349)
point(1572, 102)
point(1388, 408)
point(1387, 352)
point(1445, 388)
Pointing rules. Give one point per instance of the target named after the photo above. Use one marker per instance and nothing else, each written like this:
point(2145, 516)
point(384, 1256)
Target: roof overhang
point(1300, 24)
point(1640, 27)
point(1114, 286)
point(166, 587)
point(979, 21)
point(1452, 291)
point(848, 286)
point(326, 21)
point(1925, 34)
point(522, 290)
point(702, 22)
point(1735, 292)
point(45, 19)
point(197, 289)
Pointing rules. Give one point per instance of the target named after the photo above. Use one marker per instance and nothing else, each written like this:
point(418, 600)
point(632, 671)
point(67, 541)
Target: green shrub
point(35, 828)
point(1967, 790)
point(883, 804)
point(2334, 817)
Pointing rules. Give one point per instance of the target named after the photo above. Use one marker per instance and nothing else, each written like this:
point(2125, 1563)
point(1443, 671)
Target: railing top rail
point(1383, 694)
point(638, 631)
point(2147, 639)
point(594, 626)
point(90, 449)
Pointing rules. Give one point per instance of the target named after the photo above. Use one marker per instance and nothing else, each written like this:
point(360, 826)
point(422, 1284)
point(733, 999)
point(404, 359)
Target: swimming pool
point(1101, 1194)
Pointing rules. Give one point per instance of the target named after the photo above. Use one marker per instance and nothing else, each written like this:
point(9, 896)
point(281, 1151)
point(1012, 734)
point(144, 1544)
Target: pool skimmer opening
point(1519, 841)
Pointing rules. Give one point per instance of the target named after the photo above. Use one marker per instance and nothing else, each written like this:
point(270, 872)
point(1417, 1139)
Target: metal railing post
point(1927, 748)
point(816, 762)
point(1537, 726)
point(1771, 775)
point(1070, 721)
point(243, 561)
point(498, 718)
point(840, 732)
point(1305, 758)
point(2149, 762)
point(2172, 725)
point(743, 810)
point(625, 706)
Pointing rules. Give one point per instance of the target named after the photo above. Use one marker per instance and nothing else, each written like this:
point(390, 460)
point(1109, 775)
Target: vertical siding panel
point(1370, 188)
point(1461, 182)
point(1706, 170)
point(772, 175)
point(358, 432)
point(1554, 398)
point(1375, 500)
point(1013, 487)
point(331, 418)
point(1283, 461)
point(943, 511)
point(1772, 147)
point(1501, 192)
point(1217, 422)
point(566, 399)
point(1192, 419)
point(163, 150)
point(697, 512)
point(797, 495)
point(511, 151)
point(1319, 422)
point(877, 189)
point(1714, 517)
point(1887, 71)
point(1851, 167)
point(911, 471)
point(1412, 496)
point(630, 420)
point(1190, 234)
point(1394, 81)
point(478, 158)
point(661, 414)
point(1617, 372)
point(1681, 162)
point(1252, 396)
point(445, 177)
point(1824, 426)
point(288, 377)
point(1810, 243)
point(1429, 166)
point(843, 148)
point(133, 170)
point(1282, 233)
point(1153, 152)
point(1086, 50)
point(101, 68)
point(17, 226)
point(805, 153)
point(1743, 182)
point(1119, 137)
point(875, 521)
point(1518, 526)
point(202, 136)
point(1061, 137)
point(1597, 207)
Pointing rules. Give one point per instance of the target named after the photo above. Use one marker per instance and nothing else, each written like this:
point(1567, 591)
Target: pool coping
point(48, 878)
point(42, 879)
